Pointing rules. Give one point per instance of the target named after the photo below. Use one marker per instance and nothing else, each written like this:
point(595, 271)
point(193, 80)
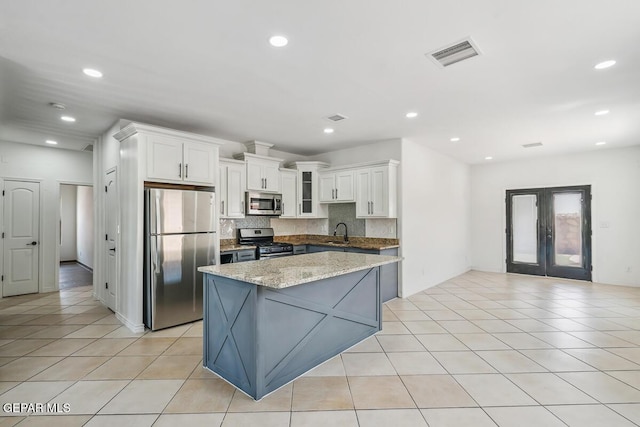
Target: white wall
point(68, 224)
point(435, 229)
point(84, 223)
point(614, 176)
point(380, 150)
point(49, 166)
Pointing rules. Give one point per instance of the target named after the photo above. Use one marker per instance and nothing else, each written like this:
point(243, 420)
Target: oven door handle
point(277, 254)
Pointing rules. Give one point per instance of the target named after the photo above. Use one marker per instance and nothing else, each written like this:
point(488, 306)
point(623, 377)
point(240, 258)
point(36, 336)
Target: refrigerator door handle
point(154, 250)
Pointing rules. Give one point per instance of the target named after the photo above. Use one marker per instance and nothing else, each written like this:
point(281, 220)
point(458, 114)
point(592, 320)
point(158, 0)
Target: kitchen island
point(267, 322)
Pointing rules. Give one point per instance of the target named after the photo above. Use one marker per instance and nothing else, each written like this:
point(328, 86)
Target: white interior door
point(21, 238)
point(111, 230)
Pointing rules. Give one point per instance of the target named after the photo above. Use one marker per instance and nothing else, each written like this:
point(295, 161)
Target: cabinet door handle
point(370, 209)
point(222, 208)
point(179, 170)
point(336, 193)
point(242, 207)
point(186, 170)
point(332, 196)
point(300, 208)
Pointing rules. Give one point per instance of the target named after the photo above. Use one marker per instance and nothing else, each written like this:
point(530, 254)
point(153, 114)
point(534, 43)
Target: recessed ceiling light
point(411, 114)
point(278, 41)
point(488, 158)
point(92, 73)
point(602, 112)
point(328, 130)
point(601, 143)
point(605, 64)
point(51, 141)
point(68, 119)
point(454, 139)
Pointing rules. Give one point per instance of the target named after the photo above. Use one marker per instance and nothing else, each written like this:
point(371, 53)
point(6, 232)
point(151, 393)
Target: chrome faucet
point(346, 233)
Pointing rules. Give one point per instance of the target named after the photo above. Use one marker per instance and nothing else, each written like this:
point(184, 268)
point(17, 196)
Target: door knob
point(32, 244)
point(112, 249)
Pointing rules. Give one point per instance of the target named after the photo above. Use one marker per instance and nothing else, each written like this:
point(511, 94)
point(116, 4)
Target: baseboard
point(132, 327)
point(86, 267)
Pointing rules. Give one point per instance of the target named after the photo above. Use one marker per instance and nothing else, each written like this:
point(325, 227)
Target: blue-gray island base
point(306, 309)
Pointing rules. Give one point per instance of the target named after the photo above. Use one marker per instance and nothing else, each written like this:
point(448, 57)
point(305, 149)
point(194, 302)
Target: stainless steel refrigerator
point(180, 230)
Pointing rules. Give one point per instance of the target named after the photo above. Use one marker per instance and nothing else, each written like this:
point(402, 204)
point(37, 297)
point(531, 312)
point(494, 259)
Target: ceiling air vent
point(88, 148)
point(336, 117)
point(454, 53)
point(533, 144)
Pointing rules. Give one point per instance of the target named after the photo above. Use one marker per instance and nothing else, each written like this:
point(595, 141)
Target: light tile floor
point(481, 349)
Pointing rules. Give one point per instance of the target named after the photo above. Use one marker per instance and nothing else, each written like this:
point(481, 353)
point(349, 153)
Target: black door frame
point(546, 235)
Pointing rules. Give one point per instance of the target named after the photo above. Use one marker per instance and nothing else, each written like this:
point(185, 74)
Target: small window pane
point(567, 210)
point(525, 228)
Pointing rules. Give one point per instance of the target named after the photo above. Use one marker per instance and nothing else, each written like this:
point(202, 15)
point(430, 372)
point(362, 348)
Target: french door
point(549, 232)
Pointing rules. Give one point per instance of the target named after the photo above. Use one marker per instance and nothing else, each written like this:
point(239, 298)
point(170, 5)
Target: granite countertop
point(372, 243)
point(279, 273)
point(234, 247)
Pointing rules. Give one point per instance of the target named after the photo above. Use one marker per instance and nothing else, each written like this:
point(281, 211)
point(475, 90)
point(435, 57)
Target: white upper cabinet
point(376, 191)
point(289, 187)
point(174, 159)
point(199, 159)
point(337, 187)
point(308, 186)
point(263, 173)
point(232, 187)
point(164, 158)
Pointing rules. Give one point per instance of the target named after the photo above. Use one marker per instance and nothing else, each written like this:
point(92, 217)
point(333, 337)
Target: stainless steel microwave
point(263, 203)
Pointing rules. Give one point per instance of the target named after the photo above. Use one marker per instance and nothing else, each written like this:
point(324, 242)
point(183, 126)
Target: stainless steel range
point(263, 239)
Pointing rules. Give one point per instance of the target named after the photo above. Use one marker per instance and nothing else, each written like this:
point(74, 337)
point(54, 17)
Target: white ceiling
point(207, 67)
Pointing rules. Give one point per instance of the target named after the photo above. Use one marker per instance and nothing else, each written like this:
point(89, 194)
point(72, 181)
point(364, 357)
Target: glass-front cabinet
point(308, 190)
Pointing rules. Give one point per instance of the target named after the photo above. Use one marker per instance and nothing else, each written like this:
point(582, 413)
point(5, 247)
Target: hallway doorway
point(73, 274)
point(76, 236)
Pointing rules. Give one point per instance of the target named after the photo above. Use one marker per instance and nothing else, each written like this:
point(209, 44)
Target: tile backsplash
point(342, 212)
point(381, 227)
point(288, 227)
point(228, 226)
point(346, 212)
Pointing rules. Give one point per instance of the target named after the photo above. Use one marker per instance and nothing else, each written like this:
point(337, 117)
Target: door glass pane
point(567, 222)
point(525, 228)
